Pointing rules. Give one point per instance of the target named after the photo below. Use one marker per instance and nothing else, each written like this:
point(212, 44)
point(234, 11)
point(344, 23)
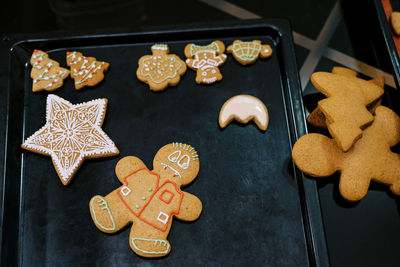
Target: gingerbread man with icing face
point(150, 199)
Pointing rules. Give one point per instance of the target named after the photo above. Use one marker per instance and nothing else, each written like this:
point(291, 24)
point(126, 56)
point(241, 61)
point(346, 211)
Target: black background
point(355, 235)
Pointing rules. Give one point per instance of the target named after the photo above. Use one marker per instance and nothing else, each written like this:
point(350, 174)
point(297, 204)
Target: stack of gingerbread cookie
point(362, 133)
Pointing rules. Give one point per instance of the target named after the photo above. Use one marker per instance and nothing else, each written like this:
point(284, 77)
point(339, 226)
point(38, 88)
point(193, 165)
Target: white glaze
point(243, 108)
point(71, 133)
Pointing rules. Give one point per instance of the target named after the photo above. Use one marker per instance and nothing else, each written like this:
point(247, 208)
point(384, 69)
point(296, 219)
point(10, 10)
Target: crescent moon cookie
point(150, 200)
point(247, 52)
point(160, 69)
point(71, 134)
point(244, 108)
point(205, 60)
point(46, 73)
point(86, 70)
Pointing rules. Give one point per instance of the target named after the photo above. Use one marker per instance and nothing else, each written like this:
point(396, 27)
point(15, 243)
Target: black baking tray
point(363, 233)
point(257, 208)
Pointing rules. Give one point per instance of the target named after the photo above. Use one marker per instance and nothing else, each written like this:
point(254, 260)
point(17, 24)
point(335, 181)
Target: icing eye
point(204, 73)
point(213, 71)
point(184, 162)
point(174, 156)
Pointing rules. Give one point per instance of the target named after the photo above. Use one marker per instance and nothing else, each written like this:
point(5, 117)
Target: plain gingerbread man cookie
point(150, 199)
point(370, 159)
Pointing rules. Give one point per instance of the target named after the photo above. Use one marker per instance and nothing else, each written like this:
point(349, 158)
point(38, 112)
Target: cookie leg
point(108, 213)
point(353, 186)
point(391, 173)
point(147, 241)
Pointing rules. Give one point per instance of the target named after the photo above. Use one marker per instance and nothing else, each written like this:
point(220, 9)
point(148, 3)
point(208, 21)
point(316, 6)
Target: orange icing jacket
point(152, 203)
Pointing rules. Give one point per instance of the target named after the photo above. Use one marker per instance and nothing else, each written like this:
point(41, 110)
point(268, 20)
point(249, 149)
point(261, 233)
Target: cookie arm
point(317, 155)
point(266, 51)
point(127, 165)
point(191, 63)
point(191, 207)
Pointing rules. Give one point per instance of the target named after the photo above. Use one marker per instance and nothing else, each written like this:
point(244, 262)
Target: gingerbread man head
point(178, 162)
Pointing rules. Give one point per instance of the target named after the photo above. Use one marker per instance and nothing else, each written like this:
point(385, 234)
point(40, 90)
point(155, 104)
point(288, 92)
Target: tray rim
point(313, 228)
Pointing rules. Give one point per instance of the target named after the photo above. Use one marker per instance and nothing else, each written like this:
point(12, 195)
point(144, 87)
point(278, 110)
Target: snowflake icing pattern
point(71, 134)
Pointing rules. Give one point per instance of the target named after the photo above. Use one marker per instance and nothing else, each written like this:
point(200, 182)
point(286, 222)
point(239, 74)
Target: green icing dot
point(137, 206)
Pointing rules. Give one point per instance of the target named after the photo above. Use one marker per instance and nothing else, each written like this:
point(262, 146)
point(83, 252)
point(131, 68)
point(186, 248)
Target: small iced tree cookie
point(85, 70)
point(160, 69)
point(150, 199)
point(248, 52)
point(46, 73)
point(71, 134)
point(206, 60)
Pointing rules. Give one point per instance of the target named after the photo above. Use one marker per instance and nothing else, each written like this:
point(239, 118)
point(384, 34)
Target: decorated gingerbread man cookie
point(150, 199)
point(160, 69)
point(85, 70)
point(206, 60)
point(46, 73)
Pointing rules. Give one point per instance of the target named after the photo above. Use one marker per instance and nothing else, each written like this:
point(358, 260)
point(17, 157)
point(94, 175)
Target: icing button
point(137, 206)
point(150, 189)
point(143, 198)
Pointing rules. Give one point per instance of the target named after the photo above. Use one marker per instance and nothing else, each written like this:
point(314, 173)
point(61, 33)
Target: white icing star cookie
point(71, 134)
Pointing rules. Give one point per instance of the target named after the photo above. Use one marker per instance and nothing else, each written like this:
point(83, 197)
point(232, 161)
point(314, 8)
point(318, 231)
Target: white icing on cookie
point(244, 108)
point(71, 133)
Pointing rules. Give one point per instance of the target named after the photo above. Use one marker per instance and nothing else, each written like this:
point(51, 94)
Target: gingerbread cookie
point(345, 107)
point(248, 52)
point(150, 199)
point(46, 73)
point(206, 60)
point(71, 134)
point(317, 118)
point(395, 22)
point(370, 159)
point(244, 108)
point(160, 69)
point(85, 70)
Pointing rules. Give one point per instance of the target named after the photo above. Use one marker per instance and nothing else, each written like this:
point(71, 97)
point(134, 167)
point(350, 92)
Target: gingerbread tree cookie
point(71, 134)
point(345, 107)
point(206, 60)
point(46, 73)
point(85, 70)
point(370, 159)
point(247, 52)
point(160, 69)
point(317, 117)
point(150, 199)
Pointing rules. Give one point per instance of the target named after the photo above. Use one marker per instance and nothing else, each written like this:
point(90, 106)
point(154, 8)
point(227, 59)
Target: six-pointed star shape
point(71, 134)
